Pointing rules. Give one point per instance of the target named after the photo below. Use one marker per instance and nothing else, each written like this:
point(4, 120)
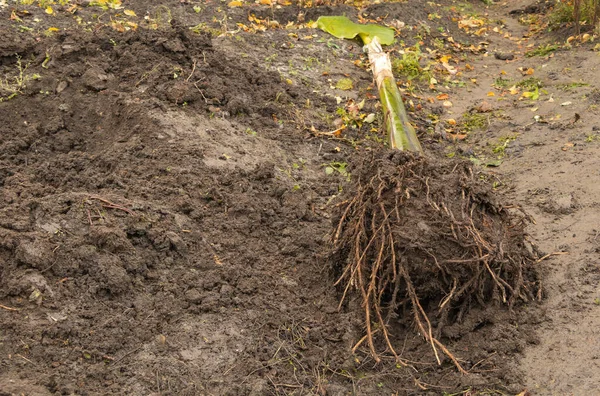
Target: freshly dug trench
point(428, 239)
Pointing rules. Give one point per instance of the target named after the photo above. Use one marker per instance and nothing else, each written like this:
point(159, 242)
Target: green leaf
point(342, 27)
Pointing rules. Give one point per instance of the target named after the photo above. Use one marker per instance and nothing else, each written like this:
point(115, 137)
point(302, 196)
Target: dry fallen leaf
point(457, 136)
point(484, 107)
point(567, 146)
point(470, 23)
point(526, 71)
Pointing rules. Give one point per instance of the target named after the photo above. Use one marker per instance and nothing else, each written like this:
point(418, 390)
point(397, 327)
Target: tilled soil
point(165, 210)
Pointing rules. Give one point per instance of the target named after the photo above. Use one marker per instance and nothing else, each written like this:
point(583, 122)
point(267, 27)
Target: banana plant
point(401, 134)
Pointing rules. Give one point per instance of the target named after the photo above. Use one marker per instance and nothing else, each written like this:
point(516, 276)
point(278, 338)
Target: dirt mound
point(427, 240)
point(164, 202)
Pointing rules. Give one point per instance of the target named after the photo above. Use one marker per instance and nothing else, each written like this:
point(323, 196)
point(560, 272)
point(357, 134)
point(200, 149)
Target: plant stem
point(401, 134)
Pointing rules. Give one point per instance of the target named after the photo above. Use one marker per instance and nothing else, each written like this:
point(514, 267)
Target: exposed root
point(428, 239)
point(111, 205)
point(8, 308)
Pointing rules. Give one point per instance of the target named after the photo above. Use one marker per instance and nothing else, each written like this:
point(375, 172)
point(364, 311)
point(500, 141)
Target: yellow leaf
point(53, 29)
point(470, 23)
point(491, 94)
point(129, 13)
point(49, 10)
point(445, 59)
point(265, 2)
point(451, 121)
point(447, 104)
point(513, 90)
point(529, 71)
point(234, 3)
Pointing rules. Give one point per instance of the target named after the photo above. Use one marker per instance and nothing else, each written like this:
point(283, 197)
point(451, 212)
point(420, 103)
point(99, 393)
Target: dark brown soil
point(165, 213)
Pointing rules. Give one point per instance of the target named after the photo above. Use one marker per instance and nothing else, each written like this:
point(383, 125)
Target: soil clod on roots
point(428, 240)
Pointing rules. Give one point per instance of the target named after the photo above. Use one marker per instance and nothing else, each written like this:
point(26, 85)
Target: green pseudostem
point(401, 134)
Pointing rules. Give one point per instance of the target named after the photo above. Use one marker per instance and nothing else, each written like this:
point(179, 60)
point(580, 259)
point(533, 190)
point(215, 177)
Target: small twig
point(112, 205)
point(201, 93)
point(483, 360)
point(24, 358)
point(550, 255)
point(127, 354)
point(8, 308)
point(283, 385)
point(192, 73)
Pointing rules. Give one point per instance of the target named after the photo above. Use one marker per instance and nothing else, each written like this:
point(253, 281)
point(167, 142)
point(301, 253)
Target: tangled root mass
point(429, 240)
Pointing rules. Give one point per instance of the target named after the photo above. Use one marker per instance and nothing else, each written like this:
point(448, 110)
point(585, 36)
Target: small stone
point(193, 296)
point(61, 86)
point(95, 79)
point(177, 243)
point(503, 56)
